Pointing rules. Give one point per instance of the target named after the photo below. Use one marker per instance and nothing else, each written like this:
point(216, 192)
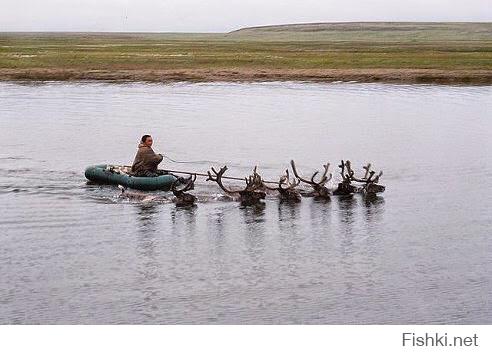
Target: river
point(76, 253)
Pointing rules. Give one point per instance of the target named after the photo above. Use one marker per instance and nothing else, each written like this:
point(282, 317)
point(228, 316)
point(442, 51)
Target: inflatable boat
point(120, 175)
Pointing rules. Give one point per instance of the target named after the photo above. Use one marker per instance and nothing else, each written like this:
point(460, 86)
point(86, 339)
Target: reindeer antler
point(190, 185)
point(367, 168)
point(342, 166)
point(253, 182)
point(368, 176)
point(350, 172)
point(297, 175)
point(218, 178)
point(376, 178)
point(323, 180)
point(284, 180)
point(369, 180)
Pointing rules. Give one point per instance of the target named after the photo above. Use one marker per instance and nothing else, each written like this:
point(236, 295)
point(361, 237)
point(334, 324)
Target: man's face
point(148, 142)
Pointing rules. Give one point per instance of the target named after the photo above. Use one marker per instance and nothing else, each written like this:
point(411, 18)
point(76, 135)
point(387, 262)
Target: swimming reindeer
point(182, 198)
point(250, 195)
point(369, 181)
point(345, 187)
point(286, 188)
point(320, 191)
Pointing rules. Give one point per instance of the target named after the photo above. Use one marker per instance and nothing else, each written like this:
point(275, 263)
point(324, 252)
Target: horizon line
point(249, 27)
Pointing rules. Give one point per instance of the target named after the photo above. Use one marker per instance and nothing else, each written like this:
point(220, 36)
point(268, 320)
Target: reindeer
point(248, 196)
point(345, 187)
point(183, 199)
point(369, 181)
point(319, 189)
point(287, 193)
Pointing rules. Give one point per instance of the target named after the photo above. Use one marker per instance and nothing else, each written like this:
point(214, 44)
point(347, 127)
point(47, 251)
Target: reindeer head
point(369, 181)
point(287, 188)
point(371, 185)
point(248, 196)
point(319, 188)
point(183, 198)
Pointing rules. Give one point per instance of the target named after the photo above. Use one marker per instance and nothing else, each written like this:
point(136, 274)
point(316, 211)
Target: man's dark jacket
point(146, 161)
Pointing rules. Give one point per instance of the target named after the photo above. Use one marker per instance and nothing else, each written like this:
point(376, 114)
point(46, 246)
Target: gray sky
point(223, 15)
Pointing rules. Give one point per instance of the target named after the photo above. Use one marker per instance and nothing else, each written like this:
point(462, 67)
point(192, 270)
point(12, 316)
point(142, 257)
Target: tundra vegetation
point(389, 52)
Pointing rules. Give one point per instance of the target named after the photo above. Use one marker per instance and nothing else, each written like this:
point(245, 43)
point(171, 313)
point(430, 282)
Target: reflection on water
point(346, 209)
point(146, 215)
point(184, 213)
point(148, 267)
point(374, 208)
point(74, 252)
point(253, 214)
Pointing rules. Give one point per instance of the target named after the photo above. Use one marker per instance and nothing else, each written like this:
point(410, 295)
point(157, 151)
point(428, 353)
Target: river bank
point(439, 53)
point(407, 76)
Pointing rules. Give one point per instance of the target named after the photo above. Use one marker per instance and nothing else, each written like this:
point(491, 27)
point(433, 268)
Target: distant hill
point(371, 31)
point(372, 26)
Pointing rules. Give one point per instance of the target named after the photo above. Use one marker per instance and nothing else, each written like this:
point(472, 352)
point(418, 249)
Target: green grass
point(329, 46)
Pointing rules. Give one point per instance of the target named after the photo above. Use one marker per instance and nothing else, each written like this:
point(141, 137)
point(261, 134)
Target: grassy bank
point(406, 52)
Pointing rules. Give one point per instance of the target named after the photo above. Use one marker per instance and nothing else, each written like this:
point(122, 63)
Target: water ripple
point(73, 252)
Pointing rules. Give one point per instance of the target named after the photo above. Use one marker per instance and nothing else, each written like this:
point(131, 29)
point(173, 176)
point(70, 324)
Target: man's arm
point(155, 158)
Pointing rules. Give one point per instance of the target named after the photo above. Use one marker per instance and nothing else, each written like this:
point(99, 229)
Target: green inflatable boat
point(119, 175)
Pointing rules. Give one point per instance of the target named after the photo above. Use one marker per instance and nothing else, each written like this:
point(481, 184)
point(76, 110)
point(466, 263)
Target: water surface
point(78, 253)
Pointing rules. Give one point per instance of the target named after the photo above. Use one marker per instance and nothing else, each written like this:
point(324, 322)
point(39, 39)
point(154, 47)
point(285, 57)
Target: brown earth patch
point(413, 76)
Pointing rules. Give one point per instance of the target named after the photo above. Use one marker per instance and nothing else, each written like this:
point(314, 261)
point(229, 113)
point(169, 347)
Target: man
point(146, 161)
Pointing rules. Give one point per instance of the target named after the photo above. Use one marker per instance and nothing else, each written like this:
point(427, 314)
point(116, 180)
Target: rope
point(206, 175)
point(190, 161)
point(201, 174)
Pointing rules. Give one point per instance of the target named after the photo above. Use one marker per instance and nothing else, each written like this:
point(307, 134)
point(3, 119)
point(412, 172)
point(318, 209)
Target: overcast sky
point(223, 15)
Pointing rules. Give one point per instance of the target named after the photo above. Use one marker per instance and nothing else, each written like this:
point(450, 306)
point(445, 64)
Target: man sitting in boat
point(146, 161)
